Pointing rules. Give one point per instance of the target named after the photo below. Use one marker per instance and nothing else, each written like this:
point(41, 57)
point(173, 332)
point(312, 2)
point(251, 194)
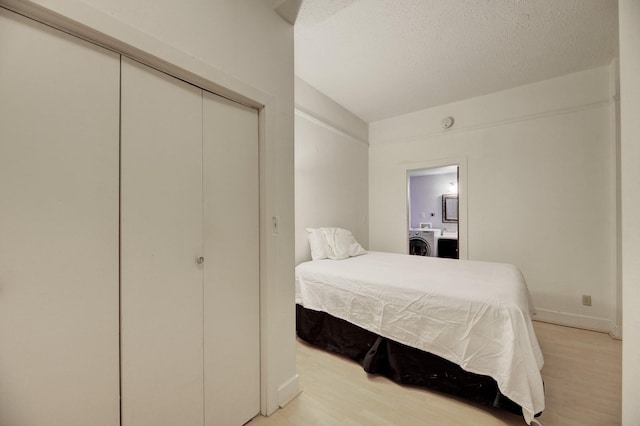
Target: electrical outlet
point(586, 300)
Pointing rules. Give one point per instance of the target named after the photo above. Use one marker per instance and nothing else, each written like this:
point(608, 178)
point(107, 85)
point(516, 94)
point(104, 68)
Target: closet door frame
point(75, 18)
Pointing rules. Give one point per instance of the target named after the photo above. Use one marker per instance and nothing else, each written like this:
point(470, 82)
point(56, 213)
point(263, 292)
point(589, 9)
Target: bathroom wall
point(425, 199)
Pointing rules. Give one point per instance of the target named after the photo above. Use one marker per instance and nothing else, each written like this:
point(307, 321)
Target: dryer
point(424, 242)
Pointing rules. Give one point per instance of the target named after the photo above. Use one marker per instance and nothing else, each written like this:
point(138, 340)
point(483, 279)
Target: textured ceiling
point(383, 58)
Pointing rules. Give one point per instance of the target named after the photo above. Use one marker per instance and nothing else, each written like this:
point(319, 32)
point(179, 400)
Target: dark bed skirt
point(398, 362)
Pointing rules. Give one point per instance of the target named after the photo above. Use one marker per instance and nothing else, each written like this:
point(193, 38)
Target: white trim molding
point(463, 218)
point(489, 124)
point(289, 390)
point(586, 322)
point(328, 126)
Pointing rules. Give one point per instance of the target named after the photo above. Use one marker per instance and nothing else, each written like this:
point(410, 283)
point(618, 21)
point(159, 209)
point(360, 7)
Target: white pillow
point(341, 243)
point(317, 244)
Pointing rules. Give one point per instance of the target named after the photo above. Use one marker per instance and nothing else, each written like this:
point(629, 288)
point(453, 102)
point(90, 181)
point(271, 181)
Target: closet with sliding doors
point(129, 245)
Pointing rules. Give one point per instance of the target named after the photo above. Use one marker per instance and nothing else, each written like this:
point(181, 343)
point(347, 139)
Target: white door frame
point(461, 162)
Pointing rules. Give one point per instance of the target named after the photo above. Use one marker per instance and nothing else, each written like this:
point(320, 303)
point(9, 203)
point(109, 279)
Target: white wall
point(331, 168)
point(245, 50)
point(539, 187)
point(629, 15)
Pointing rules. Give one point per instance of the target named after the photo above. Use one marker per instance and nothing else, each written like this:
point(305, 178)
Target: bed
point(462, 327)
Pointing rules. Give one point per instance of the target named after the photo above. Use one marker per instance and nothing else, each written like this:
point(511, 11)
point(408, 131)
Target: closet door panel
point(231, 230)
point(161, 282)
point(59, 113)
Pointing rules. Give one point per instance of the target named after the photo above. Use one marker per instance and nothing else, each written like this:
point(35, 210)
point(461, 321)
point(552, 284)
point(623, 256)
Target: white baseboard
point(616, 332)
point(579, 321)
point(289, 390)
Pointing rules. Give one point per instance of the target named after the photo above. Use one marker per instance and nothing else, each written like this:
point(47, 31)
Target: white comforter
point(475, 314)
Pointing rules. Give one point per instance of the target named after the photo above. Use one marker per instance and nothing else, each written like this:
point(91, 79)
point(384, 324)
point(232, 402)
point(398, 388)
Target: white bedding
point(475, 314)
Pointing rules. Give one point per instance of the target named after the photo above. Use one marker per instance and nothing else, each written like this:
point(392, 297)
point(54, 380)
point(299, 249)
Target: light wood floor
point(582, 376)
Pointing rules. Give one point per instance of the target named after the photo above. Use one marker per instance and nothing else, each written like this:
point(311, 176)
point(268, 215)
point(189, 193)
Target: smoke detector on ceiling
point(447, 122)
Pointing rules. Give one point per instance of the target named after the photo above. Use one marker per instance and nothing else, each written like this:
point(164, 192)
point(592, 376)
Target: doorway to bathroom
point(433, 211)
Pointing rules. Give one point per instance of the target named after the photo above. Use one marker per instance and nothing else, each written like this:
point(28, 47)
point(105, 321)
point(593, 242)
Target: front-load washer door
point(419, 247)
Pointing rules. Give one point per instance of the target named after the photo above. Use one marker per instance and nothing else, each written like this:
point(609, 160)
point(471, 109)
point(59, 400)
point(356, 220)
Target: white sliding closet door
point(59, 112)
point(231, 229)
point(161, 238)
point(190, 188)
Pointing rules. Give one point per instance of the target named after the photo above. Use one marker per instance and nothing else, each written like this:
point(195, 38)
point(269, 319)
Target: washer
point(423, 242)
